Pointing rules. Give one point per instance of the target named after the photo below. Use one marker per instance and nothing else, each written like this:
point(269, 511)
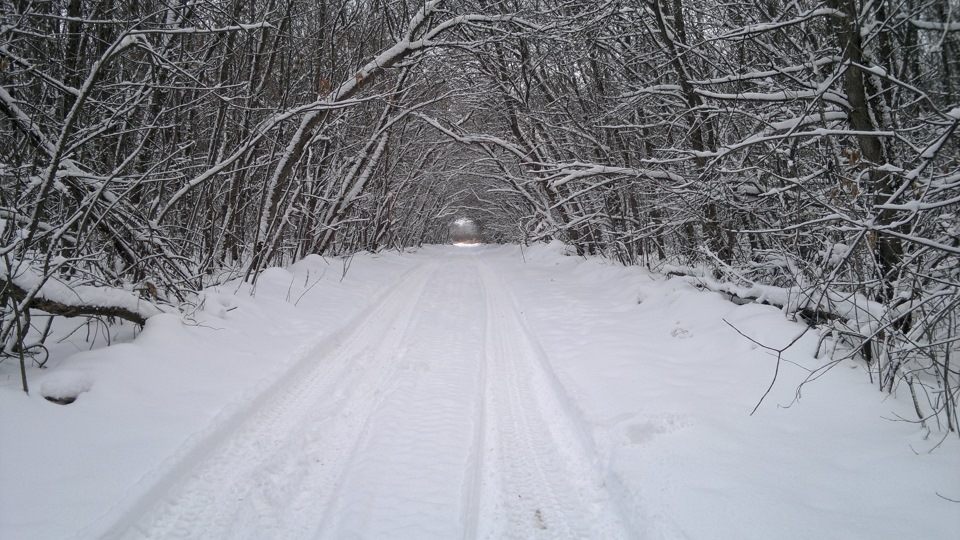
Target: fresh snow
point(478, 392)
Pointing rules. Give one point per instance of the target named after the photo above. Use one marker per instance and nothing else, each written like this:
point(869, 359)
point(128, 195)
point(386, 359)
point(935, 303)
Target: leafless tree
point(152, 148)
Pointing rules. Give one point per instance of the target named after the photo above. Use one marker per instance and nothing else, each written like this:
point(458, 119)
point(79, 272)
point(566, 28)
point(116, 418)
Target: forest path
point(436, 416)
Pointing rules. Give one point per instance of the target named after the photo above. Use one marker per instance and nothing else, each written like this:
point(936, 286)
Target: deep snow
point(491, 392)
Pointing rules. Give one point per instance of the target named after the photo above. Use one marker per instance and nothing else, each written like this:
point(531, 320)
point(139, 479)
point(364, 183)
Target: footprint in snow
point(681, 333)
point(541, 524)
point(646, 429)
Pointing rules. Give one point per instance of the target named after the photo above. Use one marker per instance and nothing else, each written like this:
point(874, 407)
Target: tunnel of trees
point(799, 152)
point(466, 230)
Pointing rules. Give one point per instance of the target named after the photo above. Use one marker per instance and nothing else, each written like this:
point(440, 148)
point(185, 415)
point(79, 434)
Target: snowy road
point(437, 416)
point(488, 392)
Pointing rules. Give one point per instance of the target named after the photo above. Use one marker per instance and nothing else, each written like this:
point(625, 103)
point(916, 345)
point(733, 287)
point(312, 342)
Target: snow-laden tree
point(149, 147)
point(801, 151)
point(808, 146)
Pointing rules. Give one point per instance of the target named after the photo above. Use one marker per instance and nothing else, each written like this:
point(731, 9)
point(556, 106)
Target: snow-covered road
point(481, 392)
point(436, 416)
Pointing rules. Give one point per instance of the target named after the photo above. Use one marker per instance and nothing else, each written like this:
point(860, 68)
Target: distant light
point(467, 244)
point(465, 231)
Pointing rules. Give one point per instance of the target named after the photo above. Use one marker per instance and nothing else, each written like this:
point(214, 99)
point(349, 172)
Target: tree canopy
point(150, 149)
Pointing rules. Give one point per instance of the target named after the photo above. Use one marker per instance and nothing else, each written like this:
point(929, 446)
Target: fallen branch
point(794, 300)
point(84, 300)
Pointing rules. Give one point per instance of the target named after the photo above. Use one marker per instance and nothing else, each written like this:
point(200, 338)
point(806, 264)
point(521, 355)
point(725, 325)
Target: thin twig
point(779, 358)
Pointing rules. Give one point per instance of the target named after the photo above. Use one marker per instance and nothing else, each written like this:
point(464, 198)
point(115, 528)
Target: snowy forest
point(800, 153)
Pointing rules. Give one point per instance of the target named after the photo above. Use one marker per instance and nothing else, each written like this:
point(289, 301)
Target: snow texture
point(481, 392)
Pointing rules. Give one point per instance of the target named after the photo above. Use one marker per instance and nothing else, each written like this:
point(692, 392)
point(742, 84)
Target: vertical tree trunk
point(675, 39)
point(888, 250)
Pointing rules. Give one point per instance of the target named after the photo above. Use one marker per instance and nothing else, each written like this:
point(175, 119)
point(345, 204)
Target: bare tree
point(150, 149)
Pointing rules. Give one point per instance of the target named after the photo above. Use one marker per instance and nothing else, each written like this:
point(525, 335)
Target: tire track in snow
point(410, 474)
point(436, 416)
point(271, 475)
point(540, 475)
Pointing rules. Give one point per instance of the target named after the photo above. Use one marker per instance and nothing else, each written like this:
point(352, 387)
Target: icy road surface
point(487, 392)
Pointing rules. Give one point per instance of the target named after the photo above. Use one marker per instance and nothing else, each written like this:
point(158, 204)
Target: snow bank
point(666, 387)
